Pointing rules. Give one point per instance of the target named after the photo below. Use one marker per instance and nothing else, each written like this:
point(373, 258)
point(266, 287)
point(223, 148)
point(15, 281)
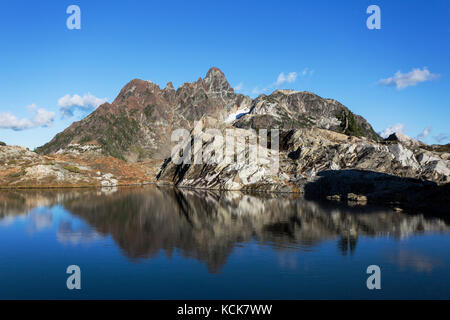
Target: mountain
point(139, 122)
point(288, 109)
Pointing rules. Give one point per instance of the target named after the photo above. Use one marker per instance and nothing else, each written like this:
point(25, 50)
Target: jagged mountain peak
point(138, 89)
point(214, 72)
point(216, 81)
point(138, 124)
point(169, 86)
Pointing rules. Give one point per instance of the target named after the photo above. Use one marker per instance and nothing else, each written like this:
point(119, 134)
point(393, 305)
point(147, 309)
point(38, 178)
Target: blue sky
point(325, 47)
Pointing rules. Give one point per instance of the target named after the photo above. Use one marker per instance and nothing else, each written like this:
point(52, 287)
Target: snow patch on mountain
point(236, 115)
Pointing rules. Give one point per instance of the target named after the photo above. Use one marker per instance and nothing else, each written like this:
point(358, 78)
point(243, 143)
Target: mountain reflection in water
point(207, 225)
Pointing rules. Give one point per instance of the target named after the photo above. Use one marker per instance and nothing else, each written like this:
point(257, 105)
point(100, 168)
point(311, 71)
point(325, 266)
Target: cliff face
point(325, 164)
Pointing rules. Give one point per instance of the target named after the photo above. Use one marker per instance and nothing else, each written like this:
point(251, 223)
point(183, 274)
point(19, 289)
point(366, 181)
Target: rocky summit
point(325, 150)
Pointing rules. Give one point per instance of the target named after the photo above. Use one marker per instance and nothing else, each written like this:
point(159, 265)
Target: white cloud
point(397, 128)
point(289, 78)
point(282, 79)
point(41, 118)
point(69, 103)
point(424, 133)
point(412, 78)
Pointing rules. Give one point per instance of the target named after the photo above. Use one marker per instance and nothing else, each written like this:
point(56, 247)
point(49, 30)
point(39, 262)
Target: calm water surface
point(163, 243)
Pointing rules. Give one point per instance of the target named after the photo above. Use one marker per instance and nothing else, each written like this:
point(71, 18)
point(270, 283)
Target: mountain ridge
point(138, 123)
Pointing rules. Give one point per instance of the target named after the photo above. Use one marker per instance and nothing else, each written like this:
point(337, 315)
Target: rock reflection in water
point(207, 225)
